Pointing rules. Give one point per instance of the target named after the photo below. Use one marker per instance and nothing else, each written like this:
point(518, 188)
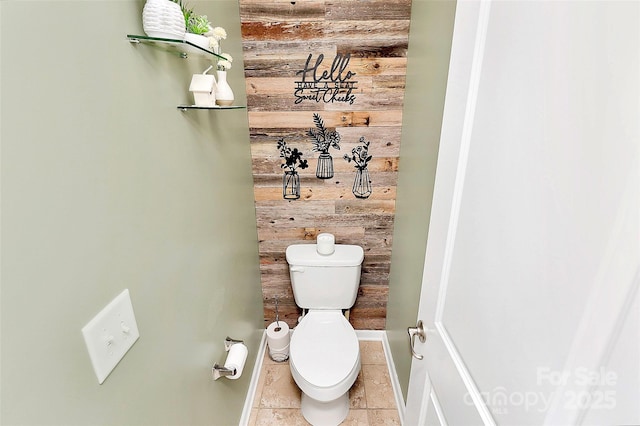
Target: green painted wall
point(428, 64)
point(106, 186)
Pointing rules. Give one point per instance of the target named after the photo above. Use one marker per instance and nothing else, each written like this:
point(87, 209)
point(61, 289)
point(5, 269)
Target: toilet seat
point(324, 354)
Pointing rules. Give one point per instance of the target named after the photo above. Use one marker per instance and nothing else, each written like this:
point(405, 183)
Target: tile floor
point(372, 402)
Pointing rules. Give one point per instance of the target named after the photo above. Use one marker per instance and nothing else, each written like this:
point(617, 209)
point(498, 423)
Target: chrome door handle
point(418, 330)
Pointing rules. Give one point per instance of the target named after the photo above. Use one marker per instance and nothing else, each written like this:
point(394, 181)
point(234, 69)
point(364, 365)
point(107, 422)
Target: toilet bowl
point(325, 361)
point(324, 355)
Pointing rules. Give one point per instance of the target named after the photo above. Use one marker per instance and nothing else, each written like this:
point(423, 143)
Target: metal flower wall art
point(323, 139)
point(360, 157)
point(291, 179)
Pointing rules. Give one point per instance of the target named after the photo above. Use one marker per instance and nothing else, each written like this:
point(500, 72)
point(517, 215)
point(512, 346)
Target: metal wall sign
point(328, 86)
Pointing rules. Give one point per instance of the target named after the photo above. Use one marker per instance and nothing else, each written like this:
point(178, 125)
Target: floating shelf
point(182, 47)
point(186, 107)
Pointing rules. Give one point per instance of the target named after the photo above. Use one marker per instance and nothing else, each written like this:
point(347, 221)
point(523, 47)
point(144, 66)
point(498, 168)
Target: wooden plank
point(275, 66)
point(301, 119)
point(272, 165)
point(378, 66)
point(340, 10)
point(382, 180)
point(267, 86)
point(378, 248)
point(284, 208)
point(309, 219)
point(363, 321)
point(296, 30)
point(266, 135)
point(375, 308)
point(375, 30)
point(281, 10)
point(365, 206)
point(273, 250)
point(305, 235)
point(309, 193)
point(287, 310)
point(278, 103)
point(287, 52)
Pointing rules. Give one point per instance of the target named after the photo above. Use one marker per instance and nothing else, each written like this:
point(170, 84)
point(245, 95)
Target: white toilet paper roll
point(326, 244)
point(236, 358)
point(278, 336)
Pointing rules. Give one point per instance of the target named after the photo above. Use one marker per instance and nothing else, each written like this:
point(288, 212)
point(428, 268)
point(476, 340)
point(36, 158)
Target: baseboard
point(370, 335)
point(253, 385)
point(374, 335)
point(395, 382)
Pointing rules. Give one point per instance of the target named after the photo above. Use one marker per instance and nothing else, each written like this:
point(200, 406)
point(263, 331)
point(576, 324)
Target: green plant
point(196, 24)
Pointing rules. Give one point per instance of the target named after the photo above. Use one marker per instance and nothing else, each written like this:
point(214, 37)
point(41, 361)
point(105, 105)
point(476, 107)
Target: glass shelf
point(186, 107)
point(182, 47)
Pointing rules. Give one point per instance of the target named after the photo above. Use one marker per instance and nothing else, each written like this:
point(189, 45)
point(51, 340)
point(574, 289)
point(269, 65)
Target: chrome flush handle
point(418, 330)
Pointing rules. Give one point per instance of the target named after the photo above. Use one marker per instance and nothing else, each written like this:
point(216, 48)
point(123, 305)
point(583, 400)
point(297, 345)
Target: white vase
point(163, 19)
point(224, 94)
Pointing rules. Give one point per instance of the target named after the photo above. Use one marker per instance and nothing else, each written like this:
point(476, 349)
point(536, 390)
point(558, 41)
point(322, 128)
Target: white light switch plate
point(110, 334)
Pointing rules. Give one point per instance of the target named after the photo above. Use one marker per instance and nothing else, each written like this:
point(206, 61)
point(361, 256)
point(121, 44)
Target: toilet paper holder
point(220, 370)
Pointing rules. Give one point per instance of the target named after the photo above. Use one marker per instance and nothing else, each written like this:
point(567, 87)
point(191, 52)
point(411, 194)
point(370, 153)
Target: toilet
point(324, 355)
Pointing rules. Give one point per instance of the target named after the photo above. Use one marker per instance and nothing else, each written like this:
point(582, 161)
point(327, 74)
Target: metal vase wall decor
point(291, 179)
point(360, 156)
point(291, 185)
point(323, 139)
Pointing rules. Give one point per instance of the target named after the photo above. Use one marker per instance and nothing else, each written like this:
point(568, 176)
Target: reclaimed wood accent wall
point(344, 61)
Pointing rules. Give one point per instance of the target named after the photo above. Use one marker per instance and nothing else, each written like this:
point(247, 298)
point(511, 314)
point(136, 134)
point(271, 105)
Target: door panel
point(532, 264)
point(434, 414)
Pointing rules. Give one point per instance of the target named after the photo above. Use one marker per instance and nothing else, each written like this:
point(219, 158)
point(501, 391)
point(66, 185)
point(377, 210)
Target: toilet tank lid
point(307, 255)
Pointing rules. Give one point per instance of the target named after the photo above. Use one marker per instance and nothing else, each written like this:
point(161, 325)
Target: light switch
point(110, 334)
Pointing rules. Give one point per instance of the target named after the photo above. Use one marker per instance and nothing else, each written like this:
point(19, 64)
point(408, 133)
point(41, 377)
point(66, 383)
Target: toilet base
point(330, 413)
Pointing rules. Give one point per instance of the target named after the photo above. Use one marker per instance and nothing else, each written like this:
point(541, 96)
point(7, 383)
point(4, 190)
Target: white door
point(530, 287)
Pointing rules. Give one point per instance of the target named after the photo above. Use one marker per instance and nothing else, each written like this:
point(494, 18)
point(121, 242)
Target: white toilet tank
point(324, 281)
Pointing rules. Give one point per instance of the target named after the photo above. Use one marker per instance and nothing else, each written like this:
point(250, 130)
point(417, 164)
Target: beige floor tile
point(377, 387)
point(279, 389)
point(266, 360)
point(371, 398)
point(371, 352)
point(357, 397)
point(280, 417)
point(383, 417)
point(259, 386)
point(253, 417)
point(356, 418)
